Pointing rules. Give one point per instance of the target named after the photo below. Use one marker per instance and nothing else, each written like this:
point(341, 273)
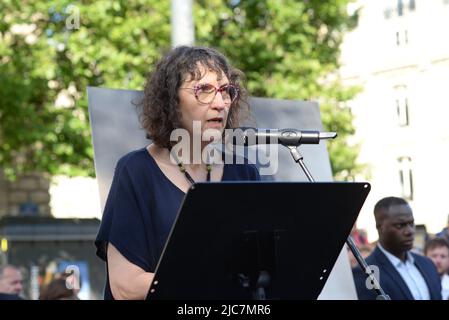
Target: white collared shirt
point(410, 274)
point(445, 285)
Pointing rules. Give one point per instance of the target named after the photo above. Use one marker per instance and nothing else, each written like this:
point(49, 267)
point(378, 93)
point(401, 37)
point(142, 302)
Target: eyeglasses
point(206, 92)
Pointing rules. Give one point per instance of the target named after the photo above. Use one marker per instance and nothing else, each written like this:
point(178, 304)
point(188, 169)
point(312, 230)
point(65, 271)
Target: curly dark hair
point(159, 109)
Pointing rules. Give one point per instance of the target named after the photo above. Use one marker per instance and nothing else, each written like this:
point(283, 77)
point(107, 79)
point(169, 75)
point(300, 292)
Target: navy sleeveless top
point(141, 207)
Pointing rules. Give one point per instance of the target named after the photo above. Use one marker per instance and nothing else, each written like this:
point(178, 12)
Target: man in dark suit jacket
point(403, 275)
point(6, 296)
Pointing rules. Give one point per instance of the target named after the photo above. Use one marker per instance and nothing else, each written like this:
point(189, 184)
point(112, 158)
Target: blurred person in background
point(11, 283)
point(437, 250)
point(359, 236)
point(63, 287)
point(361, 241)
point(365, 251)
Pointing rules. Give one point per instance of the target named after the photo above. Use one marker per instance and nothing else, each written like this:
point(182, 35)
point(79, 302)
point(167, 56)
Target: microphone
point(247, 136)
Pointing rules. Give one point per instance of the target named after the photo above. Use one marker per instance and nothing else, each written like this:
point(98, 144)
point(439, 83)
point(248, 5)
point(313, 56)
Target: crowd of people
point(61, 287)
point(404, 272)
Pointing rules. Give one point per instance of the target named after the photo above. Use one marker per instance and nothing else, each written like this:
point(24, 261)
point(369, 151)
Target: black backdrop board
point(292, 230)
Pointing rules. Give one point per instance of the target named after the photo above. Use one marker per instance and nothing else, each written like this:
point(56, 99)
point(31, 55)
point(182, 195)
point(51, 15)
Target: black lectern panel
point(249, 240)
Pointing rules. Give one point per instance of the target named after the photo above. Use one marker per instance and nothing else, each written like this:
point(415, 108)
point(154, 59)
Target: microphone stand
point(381, 295)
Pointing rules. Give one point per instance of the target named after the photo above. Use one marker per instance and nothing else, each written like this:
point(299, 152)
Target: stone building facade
point(28, 195)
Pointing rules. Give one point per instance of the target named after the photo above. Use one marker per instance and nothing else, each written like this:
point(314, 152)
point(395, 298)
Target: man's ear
point(379, 226)
point(380, 217)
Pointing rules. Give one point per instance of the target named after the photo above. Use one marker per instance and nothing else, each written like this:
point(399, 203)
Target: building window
point(406, 177)
point(402, 8)
point(402, 109)
point(401, 38)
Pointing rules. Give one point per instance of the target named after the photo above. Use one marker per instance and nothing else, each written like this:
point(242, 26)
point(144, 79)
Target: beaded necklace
point(183, 170)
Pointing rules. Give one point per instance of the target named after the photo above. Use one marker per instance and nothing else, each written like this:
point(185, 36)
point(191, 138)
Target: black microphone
point(246, 136)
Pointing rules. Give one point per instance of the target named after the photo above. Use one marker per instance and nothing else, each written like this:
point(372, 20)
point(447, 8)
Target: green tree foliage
point(288, 49)
point(114, 45)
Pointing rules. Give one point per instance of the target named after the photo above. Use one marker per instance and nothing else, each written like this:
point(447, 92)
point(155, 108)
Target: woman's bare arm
point(127, 281)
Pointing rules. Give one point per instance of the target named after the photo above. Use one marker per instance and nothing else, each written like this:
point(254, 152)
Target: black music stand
point(256, 240)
